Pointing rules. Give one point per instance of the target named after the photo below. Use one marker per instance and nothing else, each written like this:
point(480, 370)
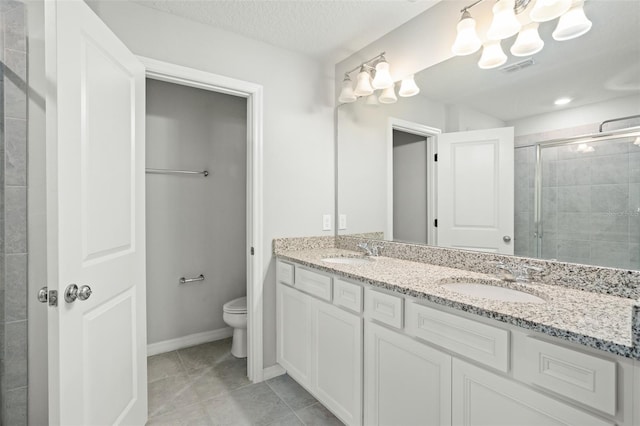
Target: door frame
point(185, 76)
point(430, 133)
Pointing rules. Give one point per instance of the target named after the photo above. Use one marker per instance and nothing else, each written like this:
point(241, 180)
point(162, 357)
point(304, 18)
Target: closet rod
point(177, 172)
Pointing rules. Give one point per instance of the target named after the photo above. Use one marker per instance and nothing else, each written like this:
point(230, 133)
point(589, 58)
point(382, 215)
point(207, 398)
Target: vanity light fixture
point(521, 17)
point(374, 82)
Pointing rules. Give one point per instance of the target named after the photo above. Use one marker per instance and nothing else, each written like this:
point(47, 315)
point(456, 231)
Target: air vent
point(518, 65)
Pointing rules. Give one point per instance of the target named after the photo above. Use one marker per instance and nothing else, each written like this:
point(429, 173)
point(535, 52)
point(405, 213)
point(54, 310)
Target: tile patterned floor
point(206, 385)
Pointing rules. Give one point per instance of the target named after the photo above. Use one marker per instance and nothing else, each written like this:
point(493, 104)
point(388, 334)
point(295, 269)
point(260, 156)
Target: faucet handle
point(532, 268)
point(367, 249)
point(375, 250)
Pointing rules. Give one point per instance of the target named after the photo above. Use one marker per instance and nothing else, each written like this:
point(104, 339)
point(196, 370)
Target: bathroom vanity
point(384, 341)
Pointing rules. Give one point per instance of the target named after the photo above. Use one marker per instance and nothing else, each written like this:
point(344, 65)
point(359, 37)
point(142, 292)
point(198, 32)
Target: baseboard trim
point(273, 371)
point(190, 340)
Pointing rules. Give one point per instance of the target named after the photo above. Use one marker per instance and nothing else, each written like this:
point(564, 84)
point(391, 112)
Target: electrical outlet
point(343, 221)
point(326, 222)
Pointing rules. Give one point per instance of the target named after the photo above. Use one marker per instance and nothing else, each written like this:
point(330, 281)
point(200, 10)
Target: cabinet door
point(337, 367)
point(481, 397)
point(294, 330)
point(406, 382)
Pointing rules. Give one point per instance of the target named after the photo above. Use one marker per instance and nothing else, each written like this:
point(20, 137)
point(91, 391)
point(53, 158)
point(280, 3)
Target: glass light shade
point(372, 100)
point(363, 88)
point(408, 87)
point(492, 56)
point(548, 10)
point(504, 24)
point(572, 24)
point(467, 40)
point(346, 94)
point(388, 95)
point(637, 141)
point(528, 41)
point(382, 79)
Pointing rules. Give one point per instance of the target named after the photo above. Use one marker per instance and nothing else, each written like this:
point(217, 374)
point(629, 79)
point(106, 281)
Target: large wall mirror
point(512, 173)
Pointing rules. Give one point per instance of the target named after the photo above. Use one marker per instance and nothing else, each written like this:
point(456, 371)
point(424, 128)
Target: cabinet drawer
point(385, 308)
point(313, 283)
point(347, 295)
point(479, 342)
point(284, 272)
point(582, 377)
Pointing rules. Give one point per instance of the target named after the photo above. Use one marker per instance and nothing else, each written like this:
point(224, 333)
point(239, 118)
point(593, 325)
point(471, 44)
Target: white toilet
point(235, 315)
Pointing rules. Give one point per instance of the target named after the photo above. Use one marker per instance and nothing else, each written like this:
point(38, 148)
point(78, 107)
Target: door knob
point(506, 239)
point(72, 292)
point(43, 295)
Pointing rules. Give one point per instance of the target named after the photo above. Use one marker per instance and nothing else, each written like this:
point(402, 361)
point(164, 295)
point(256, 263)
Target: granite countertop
point(597, 320)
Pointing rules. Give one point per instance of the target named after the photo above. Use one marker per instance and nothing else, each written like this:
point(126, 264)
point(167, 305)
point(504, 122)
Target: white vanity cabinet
point(319, 344)
point(376, 357)
point(406, 382)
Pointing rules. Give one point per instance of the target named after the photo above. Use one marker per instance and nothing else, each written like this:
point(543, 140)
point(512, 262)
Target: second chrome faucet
point(370, 249)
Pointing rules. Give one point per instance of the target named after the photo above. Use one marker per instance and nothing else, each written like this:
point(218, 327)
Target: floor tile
point(290, 420)
point(166, 395)
point(192, 415)
point(291, 392)
point(206, 355)
point(225, 377)
point(163, 366)
point(318, 415)
point(256, 404)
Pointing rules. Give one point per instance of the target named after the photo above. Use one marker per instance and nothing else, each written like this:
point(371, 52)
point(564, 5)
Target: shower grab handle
point(184, 280)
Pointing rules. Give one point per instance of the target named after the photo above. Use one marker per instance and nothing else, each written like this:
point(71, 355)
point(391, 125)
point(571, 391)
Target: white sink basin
point(492, 292)
point(348, 260)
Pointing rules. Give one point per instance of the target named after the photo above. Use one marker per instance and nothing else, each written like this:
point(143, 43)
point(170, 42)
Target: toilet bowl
point(235, 315)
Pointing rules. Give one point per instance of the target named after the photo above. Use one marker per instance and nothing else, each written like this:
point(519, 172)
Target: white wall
point(298, 131)
point(195, 225)
point(463, 119)
point(565, 118)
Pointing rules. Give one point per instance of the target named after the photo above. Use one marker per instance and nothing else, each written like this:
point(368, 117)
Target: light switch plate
point(343, 221)
point(326, 222)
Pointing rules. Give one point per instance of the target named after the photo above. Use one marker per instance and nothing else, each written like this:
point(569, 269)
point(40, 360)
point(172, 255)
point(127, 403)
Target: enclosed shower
point(577, 199)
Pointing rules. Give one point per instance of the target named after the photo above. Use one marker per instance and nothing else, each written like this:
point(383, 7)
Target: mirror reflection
point(512, 173)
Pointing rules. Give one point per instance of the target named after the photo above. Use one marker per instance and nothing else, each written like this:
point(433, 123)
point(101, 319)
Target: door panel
point(95, 221)
point(475, 190)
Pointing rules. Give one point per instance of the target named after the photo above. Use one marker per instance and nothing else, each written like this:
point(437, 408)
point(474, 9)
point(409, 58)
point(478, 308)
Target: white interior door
point(95, 221)
point(475, 190)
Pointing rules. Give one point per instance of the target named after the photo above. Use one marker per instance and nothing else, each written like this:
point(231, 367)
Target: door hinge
point(435, 223)
point(435, 157)
point(252, 251)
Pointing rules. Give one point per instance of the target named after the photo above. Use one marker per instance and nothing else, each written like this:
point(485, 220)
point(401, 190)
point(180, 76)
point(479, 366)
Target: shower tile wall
point(13, 214)
point(590, 204)
point(524, 223)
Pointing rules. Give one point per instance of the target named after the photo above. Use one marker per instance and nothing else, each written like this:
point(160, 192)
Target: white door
point(405, 382)
point(483, 398)
point(337, 370)
point(475, 190)
point(95, 221)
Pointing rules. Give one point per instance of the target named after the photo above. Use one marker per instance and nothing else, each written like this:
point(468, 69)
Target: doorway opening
point(224, 95)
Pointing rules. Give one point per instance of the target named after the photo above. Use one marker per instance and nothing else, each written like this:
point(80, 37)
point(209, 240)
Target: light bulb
point(363, 88)
point(562, 101)
point(347, 95)
point(382, 79)
point(408, 87)
point(548, 10)
point(492, 55)
point(504, 24)
point(572, 24)
point(467, 40)
point(372, 100)
point(637, 141)
point(388, 95)
point(528, 41)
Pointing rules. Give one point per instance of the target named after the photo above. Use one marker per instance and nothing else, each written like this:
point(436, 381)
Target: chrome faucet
point(370, 249)
point(518, 273)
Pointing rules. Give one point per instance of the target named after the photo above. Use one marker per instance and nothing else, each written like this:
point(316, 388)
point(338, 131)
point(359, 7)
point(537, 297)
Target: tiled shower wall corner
point(13, 214)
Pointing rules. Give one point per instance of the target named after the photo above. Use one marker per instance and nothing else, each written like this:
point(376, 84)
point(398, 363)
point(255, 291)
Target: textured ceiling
point(326, 29)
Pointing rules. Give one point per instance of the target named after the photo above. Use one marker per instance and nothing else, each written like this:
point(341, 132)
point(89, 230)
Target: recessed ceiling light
point(562, 101)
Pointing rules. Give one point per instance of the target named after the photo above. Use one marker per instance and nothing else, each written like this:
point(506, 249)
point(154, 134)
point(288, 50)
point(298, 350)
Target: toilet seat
point(236, 306)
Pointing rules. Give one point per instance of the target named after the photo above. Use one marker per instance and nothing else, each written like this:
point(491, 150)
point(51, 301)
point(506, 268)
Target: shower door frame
point(253, 93)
